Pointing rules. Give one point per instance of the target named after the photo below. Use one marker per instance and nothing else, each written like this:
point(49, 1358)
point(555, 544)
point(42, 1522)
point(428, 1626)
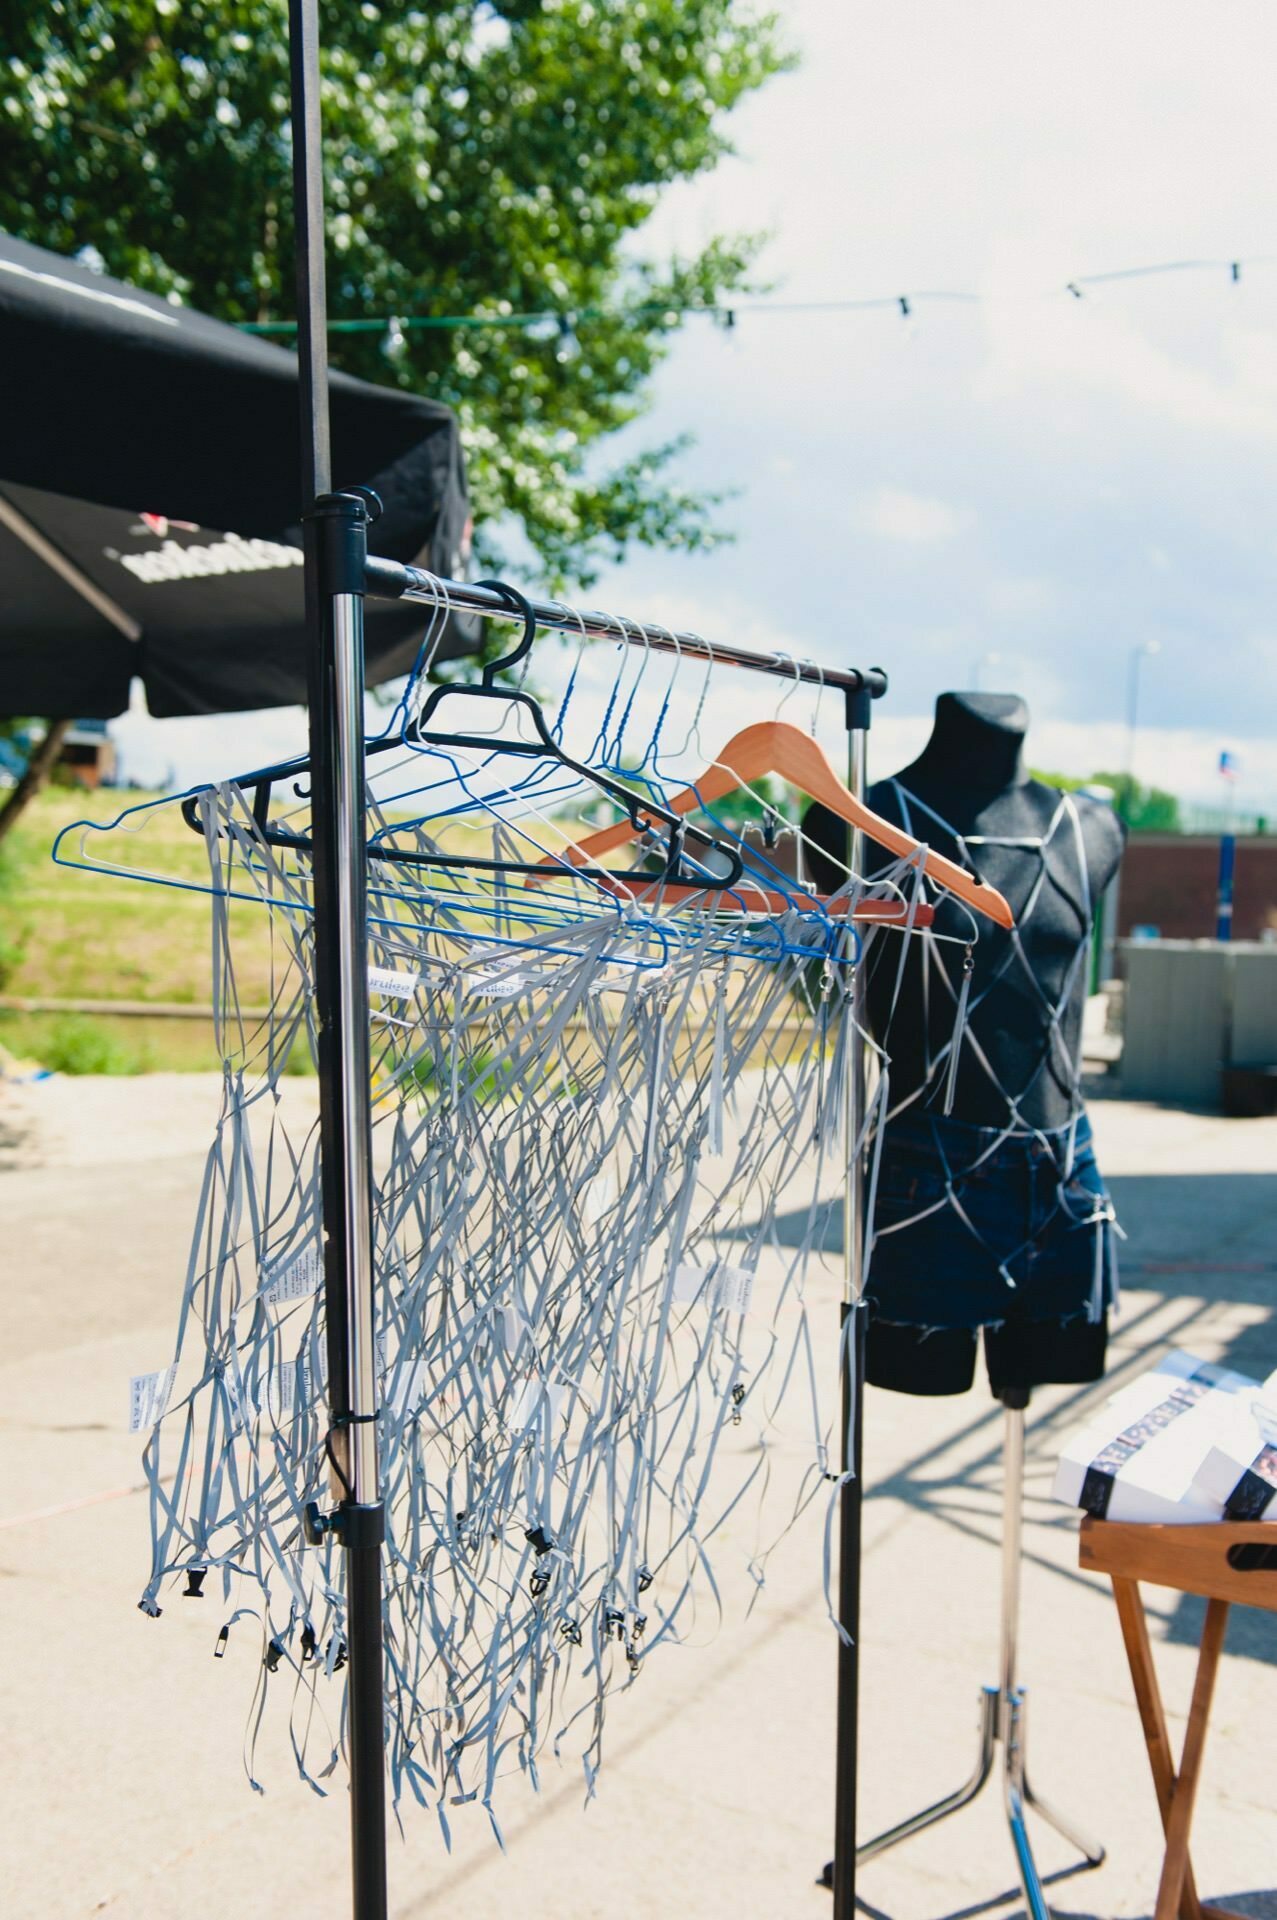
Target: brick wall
point(1169, 881)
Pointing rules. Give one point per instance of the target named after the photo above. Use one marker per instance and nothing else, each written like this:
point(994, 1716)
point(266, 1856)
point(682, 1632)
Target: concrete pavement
point(121, 1777)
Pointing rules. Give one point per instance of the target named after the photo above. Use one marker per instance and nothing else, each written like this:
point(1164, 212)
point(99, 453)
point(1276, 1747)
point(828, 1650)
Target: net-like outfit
point(1007, 1222)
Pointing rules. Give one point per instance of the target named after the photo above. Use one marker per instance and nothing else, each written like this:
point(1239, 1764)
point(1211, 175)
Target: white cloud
point(893, 513)
point(1015, 598)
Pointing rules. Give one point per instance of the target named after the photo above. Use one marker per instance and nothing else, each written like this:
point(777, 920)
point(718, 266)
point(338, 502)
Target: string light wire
point(565, 323)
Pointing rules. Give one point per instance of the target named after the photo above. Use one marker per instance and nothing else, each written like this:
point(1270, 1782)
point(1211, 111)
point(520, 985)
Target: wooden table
point(1227, 1563)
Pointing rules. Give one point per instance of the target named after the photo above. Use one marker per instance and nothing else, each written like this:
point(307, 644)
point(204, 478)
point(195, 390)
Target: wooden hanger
point(776, 746)
point(749, 896)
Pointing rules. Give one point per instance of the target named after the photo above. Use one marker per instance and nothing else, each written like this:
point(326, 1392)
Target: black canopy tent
point(132, 427)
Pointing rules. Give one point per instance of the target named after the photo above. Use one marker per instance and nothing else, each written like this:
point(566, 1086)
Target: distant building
point(1169, 882)
point(87, 758)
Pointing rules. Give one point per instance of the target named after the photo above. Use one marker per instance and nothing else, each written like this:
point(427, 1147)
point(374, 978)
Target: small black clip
point(614, 1622)
point(149, 1608)
point(538, 1538)
point(194, 1589)
point(640, 1626)
point(340, 1660)
point(738, 1400)
point(220, 1649)
point(309, 1642)
point(316, 1523)
point(571, 1632)
point(538, 1584)
point(272, 1656)
point(632, 1657)
point(645, 1578)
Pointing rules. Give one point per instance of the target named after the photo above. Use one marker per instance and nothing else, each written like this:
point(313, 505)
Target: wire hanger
point(777, 747)
point(642, 814)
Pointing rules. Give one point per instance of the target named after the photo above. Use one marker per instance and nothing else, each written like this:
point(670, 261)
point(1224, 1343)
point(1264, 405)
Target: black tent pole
point(840, 1874)
point(335, 542)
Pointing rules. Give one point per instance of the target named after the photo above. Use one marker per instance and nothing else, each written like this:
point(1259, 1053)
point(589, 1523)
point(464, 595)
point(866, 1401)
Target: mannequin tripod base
point(1003, 1712)
point(1001, 1723)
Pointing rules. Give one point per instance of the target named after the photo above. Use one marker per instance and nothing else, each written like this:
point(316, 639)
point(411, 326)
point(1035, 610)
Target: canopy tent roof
point(132, 428)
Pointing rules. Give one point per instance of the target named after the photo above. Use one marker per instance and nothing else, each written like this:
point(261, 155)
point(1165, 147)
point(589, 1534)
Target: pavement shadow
point(1256, 1905)
point(1252, 1633)
point(1209, 1237)
point(1192, 1241)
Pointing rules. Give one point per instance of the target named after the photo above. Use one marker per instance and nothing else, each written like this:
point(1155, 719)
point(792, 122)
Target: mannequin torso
point(1023, 1251)
point(969, 795)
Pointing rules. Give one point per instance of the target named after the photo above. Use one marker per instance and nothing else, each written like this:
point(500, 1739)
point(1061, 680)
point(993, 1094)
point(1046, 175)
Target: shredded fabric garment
point(588, 1115)
point(982, 1225)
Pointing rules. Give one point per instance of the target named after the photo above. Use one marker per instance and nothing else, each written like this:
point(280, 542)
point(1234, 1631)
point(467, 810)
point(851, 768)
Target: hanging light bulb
point(395, 344)
point(568, 347)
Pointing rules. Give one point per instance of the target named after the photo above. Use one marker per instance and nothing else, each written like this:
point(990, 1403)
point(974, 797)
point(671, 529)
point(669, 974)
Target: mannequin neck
point(976, 746)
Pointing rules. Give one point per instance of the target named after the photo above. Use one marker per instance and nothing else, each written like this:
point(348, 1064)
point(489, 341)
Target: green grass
point(72, 935)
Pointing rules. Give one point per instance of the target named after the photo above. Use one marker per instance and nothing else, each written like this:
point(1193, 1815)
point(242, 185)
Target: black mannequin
point(971, 774)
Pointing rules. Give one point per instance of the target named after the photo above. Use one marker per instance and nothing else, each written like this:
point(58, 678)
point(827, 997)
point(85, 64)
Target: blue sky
point(1047, 480)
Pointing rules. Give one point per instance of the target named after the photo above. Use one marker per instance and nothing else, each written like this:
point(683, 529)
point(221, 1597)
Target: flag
point(1229, 766)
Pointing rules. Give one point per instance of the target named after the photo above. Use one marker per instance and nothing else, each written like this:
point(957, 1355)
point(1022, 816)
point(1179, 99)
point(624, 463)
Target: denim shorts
point(971, 1228)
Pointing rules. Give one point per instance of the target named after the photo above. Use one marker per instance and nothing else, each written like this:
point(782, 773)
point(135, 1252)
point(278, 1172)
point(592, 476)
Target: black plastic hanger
point(641, 811)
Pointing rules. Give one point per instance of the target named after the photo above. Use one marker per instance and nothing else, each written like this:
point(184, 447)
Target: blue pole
point(1224, 896)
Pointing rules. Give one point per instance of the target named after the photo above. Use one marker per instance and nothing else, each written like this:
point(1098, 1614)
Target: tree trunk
point(38, 769)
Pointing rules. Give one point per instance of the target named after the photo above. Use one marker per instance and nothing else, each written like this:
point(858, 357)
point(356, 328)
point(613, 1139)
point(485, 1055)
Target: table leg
point(1175, 1866)
point(1148, 1698)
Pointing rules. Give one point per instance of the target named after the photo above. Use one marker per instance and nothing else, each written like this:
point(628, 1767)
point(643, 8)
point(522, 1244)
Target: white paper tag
point(495, 986)
point(391, 985)
point(405, 1386)
point(598, 1198)
point(148, 1397)
point(281, 1391)
point(735, 1288)
point(294, 1279)
point(306, 1375)
point(528, 1406)
point(731, 1288)
point(237, 1397)
point(688, 1285)
point(514, 1325)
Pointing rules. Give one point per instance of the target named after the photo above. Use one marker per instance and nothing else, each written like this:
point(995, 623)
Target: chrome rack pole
point(335, 545)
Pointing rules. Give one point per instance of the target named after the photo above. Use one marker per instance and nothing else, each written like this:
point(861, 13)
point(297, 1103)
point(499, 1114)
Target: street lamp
point(1145, 650)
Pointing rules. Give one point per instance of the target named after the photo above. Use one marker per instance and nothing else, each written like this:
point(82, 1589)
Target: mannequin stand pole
point(1003, 1709)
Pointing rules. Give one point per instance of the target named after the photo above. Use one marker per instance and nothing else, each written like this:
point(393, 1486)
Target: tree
point(483, 160)
point(1143, 809)
point(37, 763)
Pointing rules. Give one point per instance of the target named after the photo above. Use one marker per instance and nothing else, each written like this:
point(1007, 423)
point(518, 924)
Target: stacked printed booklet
point(1185, 1443)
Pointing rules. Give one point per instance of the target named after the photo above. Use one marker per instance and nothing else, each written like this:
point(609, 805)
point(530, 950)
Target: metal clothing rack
point(338, 576)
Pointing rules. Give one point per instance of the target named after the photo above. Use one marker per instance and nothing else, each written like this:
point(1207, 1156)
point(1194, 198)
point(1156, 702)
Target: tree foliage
point(483, 159)
point(1143, 809)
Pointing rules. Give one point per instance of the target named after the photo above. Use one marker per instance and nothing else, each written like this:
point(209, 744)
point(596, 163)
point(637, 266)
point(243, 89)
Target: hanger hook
point(651, 756)
point(790, 691)
point(518, 603)
point(820, 695)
